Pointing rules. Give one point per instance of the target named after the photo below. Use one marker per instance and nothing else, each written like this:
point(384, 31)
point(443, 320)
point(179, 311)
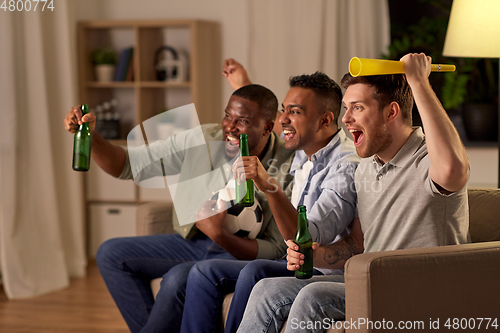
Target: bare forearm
point(284, 213)
point(109, 157)
point(334, 256)
point(449, 161)
point(238, 247)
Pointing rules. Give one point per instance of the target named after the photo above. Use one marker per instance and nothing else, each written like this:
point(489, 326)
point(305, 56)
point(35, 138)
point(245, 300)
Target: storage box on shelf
point(142, 96)
point(109, 220)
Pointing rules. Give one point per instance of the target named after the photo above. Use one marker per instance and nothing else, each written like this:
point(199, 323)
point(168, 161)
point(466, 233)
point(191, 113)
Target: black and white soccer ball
point(241, 221)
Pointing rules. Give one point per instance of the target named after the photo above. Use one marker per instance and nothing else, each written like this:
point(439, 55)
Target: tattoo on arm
point(342, 250)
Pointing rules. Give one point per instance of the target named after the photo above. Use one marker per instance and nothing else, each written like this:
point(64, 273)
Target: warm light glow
point(473, 29)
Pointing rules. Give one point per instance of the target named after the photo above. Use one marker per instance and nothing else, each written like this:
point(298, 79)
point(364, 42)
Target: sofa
point(439, 289)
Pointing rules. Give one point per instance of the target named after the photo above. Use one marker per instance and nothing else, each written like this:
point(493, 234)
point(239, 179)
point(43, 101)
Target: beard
point(378, 141)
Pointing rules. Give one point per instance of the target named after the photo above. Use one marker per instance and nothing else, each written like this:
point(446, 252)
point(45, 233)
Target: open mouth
point(289, 134)
point(232, 141)
point(232, 145)
point(357, 136)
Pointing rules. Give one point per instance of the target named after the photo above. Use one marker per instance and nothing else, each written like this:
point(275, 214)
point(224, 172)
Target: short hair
point(265, 99)
point(324, 87)
point(388, 89)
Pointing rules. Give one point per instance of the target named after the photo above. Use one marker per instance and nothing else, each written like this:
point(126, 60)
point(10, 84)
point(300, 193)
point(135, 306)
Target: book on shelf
point(130, 72)
point(124, 62)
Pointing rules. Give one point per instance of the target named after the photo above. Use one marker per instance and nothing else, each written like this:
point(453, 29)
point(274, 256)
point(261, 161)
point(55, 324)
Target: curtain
point(293, 37)
point(41, 211)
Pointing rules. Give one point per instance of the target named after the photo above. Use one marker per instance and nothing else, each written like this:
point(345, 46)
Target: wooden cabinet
point(144, 96)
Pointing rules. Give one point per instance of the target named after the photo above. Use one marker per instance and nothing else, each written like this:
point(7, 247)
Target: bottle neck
point(302, 223)
point(244, 146)
point(85, 110)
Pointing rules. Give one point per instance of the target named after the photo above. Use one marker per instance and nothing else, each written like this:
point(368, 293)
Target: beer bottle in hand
point(81, 147)
point(304, 240)
point(244, 191)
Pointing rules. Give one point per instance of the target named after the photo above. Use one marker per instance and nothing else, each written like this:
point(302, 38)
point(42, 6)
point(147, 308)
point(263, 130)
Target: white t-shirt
point(300, 176)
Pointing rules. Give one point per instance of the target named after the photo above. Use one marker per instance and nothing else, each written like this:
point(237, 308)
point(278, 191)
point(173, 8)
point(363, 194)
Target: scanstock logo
point(170, 151)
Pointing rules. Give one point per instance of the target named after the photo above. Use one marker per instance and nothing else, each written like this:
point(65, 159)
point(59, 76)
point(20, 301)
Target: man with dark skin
point(129, 264)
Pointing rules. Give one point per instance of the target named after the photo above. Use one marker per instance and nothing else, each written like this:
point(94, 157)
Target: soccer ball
point(241, 221)
point(245, 221)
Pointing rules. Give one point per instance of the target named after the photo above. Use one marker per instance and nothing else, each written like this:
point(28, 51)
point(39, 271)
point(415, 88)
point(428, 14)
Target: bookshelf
point(143, 98)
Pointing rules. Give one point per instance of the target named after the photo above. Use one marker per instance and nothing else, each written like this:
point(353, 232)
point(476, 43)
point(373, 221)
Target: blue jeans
point(128, 265)
point(209, 281)
point(273, 301)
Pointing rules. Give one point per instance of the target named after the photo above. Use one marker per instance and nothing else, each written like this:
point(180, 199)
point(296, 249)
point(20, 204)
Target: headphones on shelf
point(167, 69)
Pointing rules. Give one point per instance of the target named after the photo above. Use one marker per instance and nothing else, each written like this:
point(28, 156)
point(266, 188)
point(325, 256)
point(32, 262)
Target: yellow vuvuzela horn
point(363, 66)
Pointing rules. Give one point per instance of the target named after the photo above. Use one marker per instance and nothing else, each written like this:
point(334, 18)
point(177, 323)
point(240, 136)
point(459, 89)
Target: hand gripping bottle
point(245, 192)
point(81, 147)
point(304, 240)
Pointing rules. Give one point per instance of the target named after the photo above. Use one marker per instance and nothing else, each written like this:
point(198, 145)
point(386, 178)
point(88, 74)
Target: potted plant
point(477, 97)
point(473, 83)
point(104, 60)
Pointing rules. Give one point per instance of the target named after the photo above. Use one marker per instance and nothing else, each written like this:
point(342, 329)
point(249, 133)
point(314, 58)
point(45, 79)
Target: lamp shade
point(473, 29)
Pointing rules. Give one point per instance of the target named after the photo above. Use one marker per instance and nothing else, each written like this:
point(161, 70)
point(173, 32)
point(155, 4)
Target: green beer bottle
point(81, 146)
point(304, 240)
point(244, 192)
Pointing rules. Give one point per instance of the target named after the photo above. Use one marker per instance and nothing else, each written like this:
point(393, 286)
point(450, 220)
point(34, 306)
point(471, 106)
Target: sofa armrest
point(154, 218)
point(420, 285)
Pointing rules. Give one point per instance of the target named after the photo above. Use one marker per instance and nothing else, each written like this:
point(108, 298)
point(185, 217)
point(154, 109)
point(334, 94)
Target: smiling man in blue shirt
point(412, 193)
point(323, 170)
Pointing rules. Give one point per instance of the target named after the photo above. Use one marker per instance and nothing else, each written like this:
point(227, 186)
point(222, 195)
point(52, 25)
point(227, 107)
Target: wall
point(229, 14)
point(483, 166)
point(235, 40)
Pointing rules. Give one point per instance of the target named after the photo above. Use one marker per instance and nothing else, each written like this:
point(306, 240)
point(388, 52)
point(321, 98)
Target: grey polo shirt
point(400, 207)
point(196, 153)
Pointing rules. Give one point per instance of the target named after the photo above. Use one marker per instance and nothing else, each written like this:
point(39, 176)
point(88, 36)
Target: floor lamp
point(474, 31)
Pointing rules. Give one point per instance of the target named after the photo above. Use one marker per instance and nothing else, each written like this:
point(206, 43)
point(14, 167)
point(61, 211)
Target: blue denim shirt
point(329, 193)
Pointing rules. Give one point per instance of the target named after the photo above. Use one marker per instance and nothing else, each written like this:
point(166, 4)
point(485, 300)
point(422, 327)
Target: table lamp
point(474, 31)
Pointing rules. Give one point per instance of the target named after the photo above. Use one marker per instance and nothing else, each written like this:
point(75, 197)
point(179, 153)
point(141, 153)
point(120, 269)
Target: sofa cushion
point(154, 218)
point(484, 210)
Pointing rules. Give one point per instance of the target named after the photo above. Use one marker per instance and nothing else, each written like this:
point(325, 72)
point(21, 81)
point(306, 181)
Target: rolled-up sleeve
point(144, 162)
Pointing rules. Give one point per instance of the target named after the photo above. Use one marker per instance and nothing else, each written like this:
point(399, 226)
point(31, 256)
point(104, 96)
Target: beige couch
point(409, 287)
